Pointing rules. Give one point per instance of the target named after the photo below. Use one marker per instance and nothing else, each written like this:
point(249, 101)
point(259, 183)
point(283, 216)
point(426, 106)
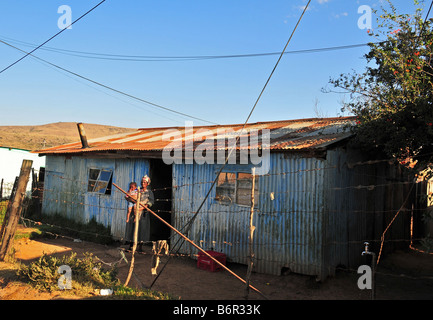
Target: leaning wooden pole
point(192, 243)
point(15, 210)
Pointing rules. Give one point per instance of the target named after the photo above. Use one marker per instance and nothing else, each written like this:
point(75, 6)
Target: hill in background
point(52, 134)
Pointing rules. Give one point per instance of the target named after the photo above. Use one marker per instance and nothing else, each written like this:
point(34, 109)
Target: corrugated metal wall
point(321, 213)
point(311, 215)
point(362, 199)
point(65, 189)
point(288, 228)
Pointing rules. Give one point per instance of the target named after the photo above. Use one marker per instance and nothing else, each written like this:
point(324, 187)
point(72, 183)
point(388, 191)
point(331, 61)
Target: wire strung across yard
point(51, 38)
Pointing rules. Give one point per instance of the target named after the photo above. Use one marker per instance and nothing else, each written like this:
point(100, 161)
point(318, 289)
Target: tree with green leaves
point(393, 99)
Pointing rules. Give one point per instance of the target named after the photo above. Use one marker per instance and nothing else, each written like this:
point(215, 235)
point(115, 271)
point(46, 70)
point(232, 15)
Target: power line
point(253, 108)
point(153, 58)
point(188, 225)
point(423, 24)
point(29, 53)
point(108, 87)
point(149, 58)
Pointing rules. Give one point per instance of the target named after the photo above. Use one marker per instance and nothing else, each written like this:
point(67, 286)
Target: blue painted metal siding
point(288, 228)
point(65, 189)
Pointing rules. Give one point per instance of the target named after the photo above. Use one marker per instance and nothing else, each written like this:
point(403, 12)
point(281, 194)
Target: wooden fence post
point(134, 245)
point(15, 210)
point(252, 228)
point(36, 201)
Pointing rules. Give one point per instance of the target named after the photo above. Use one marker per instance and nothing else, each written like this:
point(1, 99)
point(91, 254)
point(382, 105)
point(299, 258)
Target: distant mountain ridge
point(52, 134)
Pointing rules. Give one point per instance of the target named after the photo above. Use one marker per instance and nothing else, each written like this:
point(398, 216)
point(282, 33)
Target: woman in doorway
point(146, 199)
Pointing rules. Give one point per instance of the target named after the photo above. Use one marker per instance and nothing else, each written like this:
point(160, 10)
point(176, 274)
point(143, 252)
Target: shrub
point(91, 231)
point(127, 293)
point(3, 207)
point(87, 273)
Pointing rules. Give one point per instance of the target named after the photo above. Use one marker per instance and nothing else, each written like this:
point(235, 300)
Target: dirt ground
point(400, 276)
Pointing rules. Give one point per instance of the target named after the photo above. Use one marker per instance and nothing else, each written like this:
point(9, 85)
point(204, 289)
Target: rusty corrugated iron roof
point(286, 135)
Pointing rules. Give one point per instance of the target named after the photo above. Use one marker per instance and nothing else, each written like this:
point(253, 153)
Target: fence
point(70, 199)
point(40, 192)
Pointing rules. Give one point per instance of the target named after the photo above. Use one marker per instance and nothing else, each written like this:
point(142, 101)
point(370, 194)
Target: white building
point(11, 160)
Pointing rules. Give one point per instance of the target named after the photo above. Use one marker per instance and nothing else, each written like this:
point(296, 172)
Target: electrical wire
point(188, 225)
point(51, 38)
point(146, 58)
point(108, 87)
point(252, 109)
point(152, 58)
point(423, 24)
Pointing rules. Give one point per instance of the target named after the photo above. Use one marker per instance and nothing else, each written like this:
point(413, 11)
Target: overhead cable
point(188, 225)
point(108, 87)
point(51, 38)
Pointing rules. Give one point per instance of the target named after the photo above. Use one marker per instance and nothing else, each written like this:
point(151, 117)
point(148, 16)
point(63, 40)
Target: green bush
point(127, 293)
point(87, 277)
point(3, 207)
point(91, 231)
point(87, 273)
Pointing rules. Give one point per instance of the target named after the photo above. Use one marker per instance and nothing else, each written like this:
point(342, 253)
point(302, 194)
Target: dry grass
point(53, 134)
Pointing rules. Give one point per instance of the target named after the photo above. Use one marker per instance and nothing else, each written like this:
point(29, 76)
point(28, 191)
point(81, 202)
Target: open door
point(161, 185)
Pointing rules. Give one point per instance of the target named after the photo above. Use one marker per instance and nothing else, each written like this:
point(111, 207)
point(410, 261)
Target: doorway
point(161, 185)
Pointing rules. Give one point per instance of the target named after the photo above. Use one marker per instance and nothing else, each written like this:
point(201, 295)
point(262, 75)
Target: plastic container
point(206, 263)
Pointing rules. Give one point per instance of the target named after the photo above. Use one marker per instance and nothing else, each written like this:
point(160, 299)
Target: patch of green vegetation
point(87, 273)
point(30, 233)
point(88, 276)
point(58, 224)
point(126, 293)
point(3, 207)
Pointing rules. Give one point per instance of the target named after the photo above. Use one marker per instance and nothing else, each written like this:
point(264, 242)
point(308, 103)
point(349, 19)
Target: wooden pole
point(134, 245)
point(251, 233)
point(4, 218)
point(36, 201)
point(15, 209)
point(192, 243)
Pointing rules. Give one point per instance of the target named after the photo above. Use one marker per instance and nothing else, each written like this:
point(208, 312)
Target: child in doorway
point(132, 194)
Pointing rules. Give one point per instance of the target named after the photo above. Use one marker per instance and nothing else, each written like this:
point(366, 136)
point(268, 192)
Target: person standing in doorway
point(146, 199)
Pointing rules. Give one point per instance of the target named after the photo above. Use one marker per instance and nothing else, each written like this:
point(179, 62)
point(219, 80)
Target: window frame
point(235, 189)
point(97, 183)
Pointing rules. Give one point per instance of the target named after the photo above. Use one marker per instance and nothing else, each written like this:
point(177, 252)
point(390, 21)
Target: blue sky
point(222, 91)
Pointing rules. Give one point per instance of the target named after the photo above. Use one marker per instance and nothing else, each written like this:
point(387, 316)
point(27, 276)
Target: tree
point(393, 99)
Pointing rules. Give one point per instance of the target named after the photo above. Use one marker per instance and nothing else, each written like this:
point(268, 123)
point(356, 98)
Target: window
point(226, 187)
point(236, 188)
point(100, 181)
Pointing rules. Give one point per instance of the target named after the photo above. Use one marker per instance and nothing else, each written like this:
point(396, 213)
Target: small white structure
point(11, 160)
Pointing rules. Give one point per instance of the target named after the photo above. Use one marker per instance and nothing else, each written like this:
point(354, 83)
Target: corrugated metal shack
point(314, 208)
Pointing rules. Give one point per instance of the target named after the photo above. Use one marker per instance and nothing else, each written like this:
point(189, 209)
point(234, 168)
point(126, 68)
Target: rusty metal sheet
point(284, 135)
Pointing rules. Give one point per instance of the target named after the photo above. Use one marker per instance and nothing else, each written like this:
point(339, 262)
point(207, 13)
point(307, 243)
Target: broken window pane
point(100, 181)
point(104, 175)
point(93, 174)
